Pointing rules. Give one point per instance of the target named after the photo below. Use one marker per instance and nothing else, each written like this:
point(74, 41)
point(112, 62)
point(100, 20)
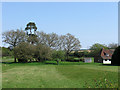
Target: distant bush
point(78, 54)
point(58, 55)
point(6, 52)
point(72, 59)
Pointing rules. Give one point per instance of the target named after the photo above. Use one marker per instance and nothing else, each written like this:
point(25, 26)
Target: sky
point(90, 22)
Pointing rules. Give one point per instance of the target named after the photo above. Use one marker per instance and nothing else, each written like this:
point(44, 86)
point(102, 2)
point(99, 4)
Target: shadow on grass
point(31, 63)
point(51, 63)
point(8, 62)
point(108, 65)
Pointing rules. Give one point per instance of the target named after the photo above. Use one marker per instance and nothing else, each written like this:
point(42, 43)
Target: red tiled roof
point(107, 53)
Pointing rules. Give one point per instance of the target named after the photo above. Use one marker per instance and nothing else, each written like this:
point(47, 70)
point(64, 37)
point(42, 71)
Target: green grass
point(64, 75)
point(7, 59)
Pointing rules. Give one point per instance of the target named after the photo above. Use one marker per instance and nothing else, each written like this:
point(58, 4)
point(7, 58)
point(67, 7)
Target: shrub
point(42, 52)
point(58, 55)
point(6, 52)
point(79, 54)
point(24, 52)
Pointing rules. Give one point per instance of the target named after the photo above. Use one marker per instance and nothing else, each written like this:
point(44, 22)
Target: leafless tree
point(113, 45)
point(52, 40)
point(13, 38)
point(60, 42)
point(47, 39)
point(70, 43)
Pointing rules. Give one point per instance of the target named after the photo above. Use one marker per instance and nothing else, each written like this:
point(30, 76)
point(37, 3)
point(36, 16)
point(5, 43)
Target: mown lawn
point(64, 75)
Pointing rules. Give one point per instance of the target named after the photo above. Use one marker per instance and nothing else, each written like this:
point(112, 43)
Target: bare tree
point(52, 40)
point(42, 37)
point(70, 43)
point(13, 38)
point(60, 42)
point(64, 42)
point(48, 39)
point(113, 45)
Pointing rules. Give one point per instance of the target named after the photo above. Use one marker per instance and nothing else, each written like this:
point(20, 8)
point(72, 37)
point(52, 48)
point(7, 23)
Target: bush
point(79, 54)
point(24, 52)
point(72, 59)
point(42, 53)
point(6, 52)
point(58, 54)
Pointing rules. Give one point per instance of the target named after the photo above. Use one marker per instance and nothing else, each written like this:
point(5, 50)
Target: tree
point(116, 57)
point(58, 55)
point(31, 26)
point(42, 37)
point(70, 43)
point(60, 42)
point(96, 48)
point(49, 40)
point(13, 38)
point(113, 45)
point(52, 40)
point(32, 37)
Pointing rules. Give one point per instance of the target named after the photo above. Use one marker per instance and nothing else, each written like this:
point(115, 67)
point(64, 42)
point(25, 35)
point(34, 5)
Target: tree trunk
point(67, 56)
point(30, 60)
point(57, 62)
point(15, 59)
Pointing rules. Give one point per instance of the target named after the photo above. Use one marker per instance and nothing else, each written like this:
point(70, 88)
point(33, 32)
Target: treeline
point(39, 46)
point(31, 45)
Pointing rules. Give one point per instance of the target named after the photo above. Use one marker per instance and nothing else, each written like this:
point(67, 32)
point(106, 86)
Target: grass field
point(64, 75)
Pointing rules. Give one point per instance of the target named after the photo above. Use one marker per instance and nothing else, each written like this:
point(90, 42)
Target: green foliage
point(6, 52)
point(78, 54)
point(58, 55)
point(32, 39)
point(116, 56)
point(30, 26)
point(96, 48)
point(24, 52)
point(42, 52)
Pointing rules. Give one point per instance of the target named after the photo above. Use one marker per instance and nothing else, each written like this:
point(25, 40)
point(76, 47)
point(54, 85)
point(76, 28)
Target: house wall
point(106, 62)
